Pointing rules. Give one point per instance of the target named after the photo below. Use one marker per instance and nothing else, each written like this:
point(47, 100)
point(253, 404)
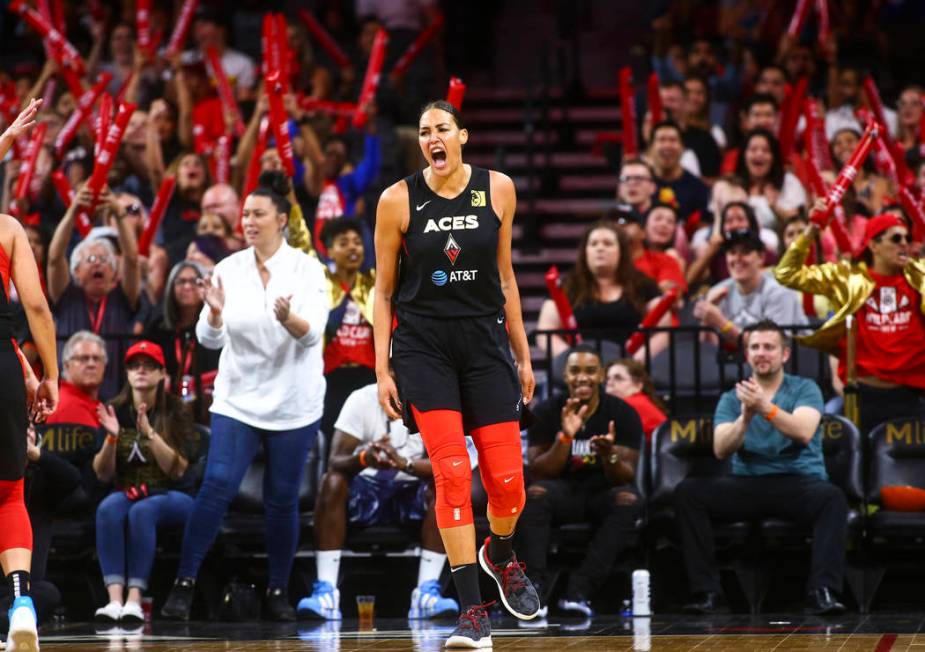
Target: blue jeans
point(135, 553)
point(231, 450)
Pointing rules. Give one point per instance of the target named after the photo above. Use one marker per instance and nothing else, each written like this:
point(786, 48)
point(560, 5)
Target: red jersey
point(208, 124)
point(75, 406)
point(353, 342)
point(648, 411)
point(891, 333)
point(661, 267)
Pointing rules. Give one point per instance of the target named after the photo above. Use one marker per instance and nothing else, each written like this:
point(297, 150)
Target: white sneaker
point(111, 613)
point(23, 635)
point(131, 613)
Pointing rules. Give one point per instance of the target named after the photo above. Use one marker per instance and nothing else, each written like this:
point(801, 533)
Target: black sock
point(500, 549)
point(466, 579)
point(19, 583)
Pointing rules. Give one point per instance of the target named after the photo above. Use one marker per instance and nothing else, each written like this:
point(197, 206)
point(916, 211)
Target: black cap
point(625, 214)
point(745, 237)
point(210, 13)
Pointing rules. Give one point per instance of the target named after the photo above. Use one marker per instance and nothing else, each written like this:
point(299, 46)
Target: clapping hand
point(573, 416)
point(213, 294)
point(281, 308)
point(142, 424)
point(752, 397)
point(108, 419)
point(603, 444)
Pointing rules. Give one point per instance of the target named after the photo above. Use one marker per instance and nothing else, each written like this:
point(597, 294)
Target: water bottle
point(641, 593)
point(187, 389)
point(626, 611)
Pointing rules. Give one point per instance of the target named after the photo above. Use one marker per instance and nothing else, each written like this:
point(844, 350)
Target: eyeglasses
point(634, 178)
point(187, 281)
point(900, 238)
point(99, 258)
point(133, 209)
point(85, 359)
point(143, 363)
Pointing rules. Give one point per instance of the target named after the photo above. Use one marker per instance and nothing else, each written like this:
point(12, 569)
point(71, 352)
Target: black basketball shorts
point(461, 364)
point(13, 415)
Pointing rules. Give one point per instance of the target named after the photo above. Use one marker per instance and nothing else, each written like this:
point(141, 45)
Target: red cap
point(878, 224)
point(144, 347)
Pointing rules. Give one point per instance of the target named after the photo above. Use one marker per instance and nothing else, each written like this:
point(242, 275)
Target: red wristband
point(565, 439)
point(772, 412)
point(112, 439)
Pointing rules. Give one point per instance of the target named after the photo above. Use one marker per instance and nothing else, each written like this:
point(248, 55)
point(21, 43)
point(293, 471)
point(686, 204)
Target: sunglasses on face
point(900, 238)
point(147, 365)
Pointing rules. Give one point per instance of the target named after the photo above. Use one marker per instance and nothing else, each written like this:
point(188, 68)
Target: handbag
point(239, 602)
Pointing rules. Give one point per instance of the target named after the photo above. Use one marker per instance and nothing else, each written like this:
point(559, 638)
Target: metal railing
point(688, 374)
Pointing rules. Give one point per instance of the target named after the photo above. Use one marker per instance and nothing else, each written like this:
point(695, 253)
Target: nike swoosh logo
point(506, 480)
point(424, 204)
point(457, 462)
point(500, 320)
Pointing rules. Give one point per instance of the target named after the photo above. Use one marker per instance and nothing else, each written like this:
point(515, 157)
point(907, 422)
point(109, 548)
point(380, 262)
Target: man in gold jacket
point(884, 288)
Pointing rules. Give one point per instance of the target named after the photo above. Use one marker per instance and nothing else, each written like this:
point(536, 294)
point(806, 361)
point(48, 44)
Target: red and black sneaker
point(473, 629)
point(517, 592)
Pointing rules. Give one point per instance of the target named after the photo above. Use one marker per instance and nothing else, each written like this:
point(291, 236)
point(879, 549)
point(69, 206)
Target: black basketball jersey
point(449, 259)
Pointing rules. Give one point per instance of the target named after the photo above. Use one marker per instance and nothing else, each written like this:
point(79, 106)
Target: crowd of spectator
point(714, 210)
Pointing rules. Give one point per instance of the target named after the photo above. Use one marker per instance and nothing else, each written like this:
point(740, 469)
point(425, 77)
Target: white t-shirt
point(363, 418)
point(267, 378)
point(238, 67)
point(843, 118)
point(792, 195)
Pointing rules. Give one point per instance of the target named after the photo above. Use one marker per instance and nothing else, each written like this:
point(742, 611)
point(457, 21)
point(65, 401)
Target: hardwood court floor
point(877, 633)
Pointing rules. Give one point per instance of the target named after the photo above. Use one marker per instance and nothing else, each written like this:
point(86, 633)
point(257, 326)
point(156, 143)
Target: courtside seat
point(894, 539)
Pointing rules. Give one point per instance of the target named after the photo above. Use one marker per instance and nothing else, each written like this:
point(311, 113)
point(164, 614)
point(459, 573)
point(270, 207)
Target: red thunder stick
point(651, 319)
point(70, 57)
point(222, 155)
point(654, 98)
point(371, 80)
point(157, 213)
point(225, 93)
point(837, 225)
point(123, 89)
point(339, 109)
point(285, 61)
point(103, 122)
point(178, 38)
point(814, 140)
point(914, 211)
point(563, 305)
point(456, 92)
point(426, 36)
point(269, 45)
point(104, 160)
point(279, 121)
point(628, 112)
point(84, 105)
point(253, 166)
point(143, 24)
point(788, 123)
point(848, 173)
point(800, 12)
point(63, 187)
point(825, 27)
point(27, 168)
point(57, 16)
point(324, 39)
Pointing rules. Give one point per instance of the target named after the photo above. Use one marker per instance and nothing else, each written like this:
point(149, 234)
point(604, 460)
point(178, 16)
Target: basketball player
point(20, 394)
point(443, 260)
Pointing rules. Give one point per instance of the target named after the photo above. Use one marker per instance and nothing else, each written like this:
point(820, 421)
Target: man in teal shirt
point(769, 424)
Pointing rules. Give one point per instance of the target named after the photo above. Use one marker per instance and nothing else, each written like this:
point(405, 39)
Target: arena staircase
point(572, 183)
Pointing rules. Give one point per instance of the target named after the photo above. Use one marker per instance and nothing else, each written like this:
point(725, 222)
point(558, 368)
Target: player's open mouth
point(439, 158)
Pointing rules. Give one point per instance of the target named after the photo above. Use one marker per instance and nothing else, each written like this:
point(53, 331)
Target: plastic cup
point(366, 609)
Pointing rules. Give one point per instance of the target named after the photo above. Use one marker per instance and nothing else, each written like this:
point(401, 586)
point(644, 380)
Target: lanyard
point(96, 323)
point(184, 355)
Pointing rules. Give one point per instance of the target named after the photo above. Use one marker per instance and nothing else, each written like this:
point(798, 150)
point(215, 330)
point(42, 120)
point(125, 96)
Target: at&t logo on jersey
point(456, 223)
point(441, 278)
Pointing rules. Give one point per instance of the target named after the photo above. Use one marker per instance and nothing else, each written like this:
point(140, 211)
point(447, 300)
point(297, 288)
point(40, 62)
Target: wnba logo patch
point(478, 198)
point(439, 278)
